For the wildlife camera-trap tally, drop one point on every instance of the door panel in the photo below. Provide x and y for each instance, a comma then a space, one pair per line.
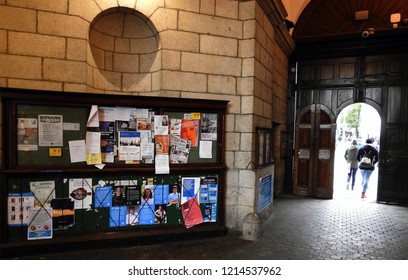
314, 153
393, 175
325, 154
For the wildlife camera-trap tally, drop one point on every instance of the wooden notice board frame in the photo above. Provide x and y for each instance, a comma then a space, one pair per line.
39, 131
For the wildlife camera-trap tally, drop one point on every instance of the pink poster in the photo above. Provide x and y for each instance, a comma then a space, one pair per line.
192, 213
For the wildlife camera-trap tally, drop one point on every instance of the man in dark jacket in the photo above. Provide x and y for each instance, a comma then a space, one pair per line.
366, 152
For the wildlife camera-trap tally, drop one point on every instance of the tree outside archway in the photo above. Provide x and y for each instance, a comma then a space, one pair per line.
349, 123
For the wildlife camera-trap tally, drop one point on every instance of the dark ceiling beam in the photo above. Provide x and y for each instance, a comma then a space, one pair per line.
352, 44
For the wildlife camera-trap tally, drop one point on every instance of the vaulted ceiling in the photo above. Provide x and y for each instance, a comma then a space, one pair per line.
322, 18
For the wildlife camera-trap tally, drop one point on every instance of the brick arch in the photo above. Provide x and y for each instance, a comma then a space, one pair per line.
89, 9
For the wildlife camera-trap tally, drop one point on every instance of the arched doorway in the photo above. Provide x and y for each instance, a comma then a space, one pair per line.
335, 66
355, 122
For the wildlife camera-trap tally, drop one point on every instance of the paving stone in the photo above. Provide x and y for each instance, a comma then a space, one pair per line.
298, 229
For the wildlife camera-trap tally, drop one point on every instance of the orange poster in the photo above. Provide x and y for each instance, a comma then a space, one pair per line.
161, 144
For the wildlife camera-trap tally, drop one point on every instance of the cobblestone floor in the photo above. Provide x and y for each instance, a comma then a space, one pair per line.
299, 228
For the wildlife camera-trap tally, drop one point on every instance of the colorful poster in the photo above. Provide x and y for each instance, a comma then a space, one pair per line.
189, 131
175, 127
108, 150
118, 197
174, 196
191, 213
208, 189
107, 130
129, 146
160, 214
27, 134
190, 188
161, 125
147, 195
210, 212
40, 226
19, 205
132, 216
161, 194
180, 150
63, 213
144, 124
80, 191
161, 144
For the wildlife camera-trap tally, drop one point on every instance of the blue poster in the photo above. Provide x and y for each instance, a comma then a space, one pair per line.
103, 196
161, 194
146, 214
188, 188
208, 190
212, 193
204, 194
265, 192
117, 216
210, 212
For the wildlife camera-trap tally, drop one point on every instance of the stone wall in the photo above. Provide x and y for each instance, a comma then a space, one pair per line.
203, 49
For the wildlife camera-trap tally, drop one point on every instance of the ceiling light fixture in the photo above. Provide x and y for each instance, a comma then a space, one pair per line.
395, 19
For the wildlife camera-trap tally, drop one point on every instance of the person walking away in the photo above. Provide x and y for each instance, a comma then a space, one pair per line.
367, 155
351, 158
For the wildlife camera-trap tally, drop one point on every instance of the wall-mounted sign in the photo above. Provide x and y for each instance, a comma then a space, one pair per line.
264, 192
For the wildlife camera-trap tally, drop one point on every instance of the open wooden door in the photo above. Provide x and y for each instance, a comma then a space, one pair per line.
314, 152
393, 166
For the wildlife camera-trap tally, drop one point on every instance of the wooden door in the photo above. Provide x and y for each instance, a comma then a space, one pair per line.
314, 152
386, 84
393, 165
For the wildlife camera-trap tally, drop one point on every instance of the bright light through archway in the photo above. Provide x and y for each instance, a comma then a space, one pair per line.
369, 126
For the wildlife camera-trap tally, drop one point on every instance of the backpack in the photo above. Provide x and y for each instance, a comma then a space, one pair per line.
365, 162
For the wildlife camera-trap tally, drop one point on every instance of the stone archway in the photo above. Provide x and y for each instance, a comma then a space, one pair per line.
357, 121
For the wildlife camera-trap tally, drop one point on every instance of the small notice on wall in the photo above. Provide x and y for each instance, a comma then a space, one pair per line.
55, 152
50, 129
27, 134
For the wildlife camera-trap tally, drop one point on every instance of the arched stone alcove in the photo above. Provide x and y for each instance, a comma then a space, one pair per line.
124, 52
